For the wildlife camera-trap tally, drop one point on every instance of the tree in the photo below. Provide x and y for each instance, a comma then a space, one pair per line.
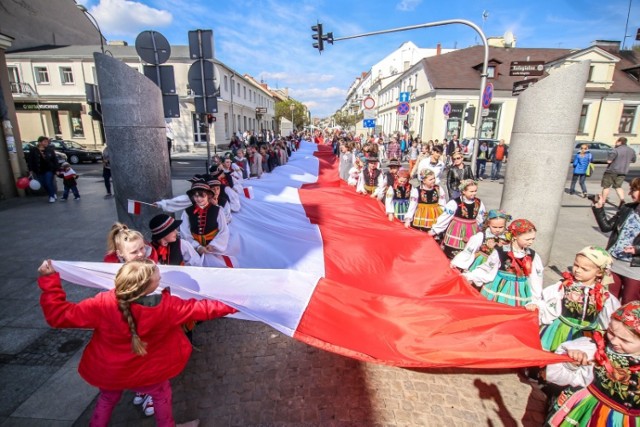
347, 120
283, 109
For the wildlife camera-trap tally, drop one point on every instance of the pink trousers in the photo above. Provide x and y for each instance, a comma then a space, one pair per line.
161, 394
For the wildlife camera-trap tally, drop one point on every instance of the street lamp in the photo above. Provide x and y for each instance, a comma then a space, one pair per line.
94, 22
292, 107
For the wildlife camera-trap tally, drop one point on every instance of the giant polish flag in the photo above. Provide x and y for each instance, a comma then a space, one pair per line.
323, 265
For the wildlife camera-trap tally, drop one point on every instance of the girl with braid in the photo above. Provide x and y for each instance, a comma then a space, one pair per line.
138, 342
124, 244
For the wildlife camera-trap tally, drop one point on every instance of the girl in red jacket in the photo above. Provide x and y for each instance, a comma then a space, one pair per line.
133, 331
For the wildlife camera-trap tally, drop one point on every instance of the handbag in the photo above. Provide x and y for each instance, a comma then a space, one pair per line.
590, 169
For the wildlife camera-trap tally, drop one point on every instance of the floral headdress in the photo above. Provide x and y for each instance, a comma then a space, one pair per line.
629, 315
521, 226
466, 183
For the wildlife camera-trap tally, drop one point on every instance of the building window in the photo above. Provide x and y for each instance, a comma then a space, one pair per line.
591, 70
66, 75
583, 118
628, 118
199, 129
238, 89
491, 72
42, 75
226, 84
14, 74
226, 124
244, 89
55, 119
77, 131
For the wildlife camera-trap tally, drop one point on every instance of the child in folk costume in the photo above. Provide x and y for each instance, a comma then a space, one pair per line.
482, 244
171, 249
372, 180
460, 219
426, 203
603, 382
138, 342
242, 162
233, 174
220, 183
346, 160
512, 274
579, 304
397, 198
355, 172
204, 227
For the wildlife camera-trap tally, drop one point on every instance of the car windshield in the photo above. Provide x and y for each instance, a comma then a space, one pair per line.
72, 144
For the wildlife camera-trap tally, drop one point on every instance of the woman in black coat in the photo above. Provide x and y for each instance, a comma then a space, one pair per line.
456, 173
623, 244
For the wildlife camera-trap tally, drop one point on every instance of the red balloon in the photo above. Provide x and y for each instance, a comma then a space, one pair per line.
22, 183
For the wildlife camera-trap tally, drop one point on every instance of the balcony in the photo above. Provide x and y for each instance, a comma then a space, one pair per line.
18, 88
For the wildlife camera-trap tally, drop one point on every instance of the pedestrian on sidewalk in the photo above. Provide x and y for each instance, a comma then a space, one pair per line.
138, 342
581, 163
106, 170
69, 177
623, 244
42, 163
498, 155
617, 169
456, 173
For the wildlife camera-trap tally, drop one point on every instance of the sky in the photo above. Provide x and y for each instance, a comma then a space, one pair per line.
271, 39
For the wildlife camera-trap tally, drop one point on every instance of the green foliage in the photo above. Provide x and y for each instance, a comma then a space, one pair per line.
347, 120
283, 109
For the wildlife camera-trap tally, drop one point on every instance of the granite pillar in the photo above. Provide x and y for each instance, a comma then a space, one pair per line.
541, 146
135, 133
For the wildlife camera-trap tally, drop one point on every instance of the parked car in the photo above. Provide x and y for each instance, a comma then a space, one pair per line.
467, 145
76, 152
599, 150
28, 146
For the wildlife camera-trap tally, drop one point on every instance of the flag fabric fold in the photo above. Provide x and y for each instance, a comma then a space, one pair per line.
322, 264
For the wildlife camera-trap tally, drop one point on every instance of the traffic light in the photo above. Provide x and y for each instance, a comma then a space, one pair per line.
318, 36
470, 114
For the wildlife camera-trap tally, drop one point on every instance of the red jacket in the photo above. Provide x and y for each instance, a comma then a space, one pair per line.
108, 360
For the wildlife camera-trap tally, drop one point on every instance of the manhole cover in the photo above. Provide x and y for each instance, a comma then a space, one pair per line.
71, 345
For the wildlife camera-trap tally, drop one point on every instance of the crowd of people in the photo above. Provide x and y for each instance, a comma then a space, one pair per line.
581, 315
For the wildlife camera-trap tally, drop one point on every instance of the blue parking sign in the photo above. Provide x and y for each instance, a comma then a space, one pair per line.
369, 123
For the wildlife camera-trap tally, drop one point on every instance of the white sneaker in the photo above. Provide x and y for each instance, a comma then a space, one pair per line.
147, 406
52, 200
139, 398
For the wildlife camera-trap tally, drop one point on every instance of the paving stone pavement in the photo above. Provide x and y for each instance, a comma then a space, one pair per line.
244, 373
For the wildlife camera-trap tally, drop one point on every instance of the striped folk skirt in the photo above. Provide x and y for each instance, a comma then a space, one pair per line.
426, 215
579, 407
458, 234
564, 329
400, 208
508, 289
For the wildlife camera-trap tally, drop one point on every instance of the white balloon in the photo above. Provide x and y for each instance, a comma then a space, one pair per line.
34, 184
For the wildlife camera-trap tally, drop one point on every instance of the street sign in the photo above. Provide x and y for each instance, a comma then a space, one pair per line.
487, 95
519, 87
526, 68
369, 123
404, 97
485, 112
446, 110
261, 110
368, 103
369, 114
403, 108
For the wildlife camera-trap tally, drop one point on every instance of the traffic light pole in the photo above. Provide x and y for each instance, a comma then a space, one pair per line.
483, 80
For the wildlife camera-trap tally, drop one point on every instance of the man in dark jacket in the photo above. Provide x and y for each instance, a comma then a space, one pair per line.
43, 164
617, 169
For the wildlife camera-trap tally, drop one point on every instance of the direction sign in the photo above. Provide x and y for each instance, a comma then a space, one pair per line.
446, 109
520, 86
368, 103
403, 108
404, 97
369, 123
526, 68
487, 95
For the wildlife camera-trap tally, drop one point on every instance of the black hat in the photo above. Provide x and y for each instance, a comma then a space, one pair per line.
372, 159
161, 225
199, 185
395, 163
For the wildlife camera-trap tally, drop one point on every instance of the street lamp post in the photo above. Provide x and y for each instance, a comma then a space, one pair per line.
292, 108
483, 75
94, 22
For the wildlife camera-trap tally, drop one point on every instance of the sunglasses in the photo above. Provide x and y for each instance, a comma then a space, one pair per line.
457, 158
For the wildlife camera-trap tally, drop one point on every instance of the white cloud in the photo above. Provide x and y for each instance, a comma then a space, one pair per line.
408, 5
319, 93
128, 18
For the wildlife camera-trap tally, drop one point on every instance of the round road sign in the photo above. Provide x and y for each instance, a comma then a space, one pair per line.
403, 108
368, 103
446, 109
487, 95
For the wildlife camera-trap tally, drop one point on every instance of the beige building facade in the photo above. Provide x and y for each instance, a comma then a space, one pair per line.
48, 88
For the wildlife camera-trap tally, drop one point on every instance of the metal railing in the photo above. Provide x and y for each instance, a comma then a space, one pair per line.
21, 88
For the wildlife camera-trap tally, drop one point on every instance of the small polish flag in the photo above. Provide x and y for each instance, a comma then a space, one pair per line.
134, 207
248, 192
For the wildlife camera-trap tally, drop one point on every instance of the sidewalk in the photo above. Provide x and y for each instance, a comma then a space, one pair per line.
244, 373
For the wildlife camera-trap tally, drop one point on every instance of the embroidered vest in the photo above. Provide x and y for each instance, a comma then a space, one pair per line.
369, 179
467, 210
506, 264
402, 192
429, 196
204, 224
173, 254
